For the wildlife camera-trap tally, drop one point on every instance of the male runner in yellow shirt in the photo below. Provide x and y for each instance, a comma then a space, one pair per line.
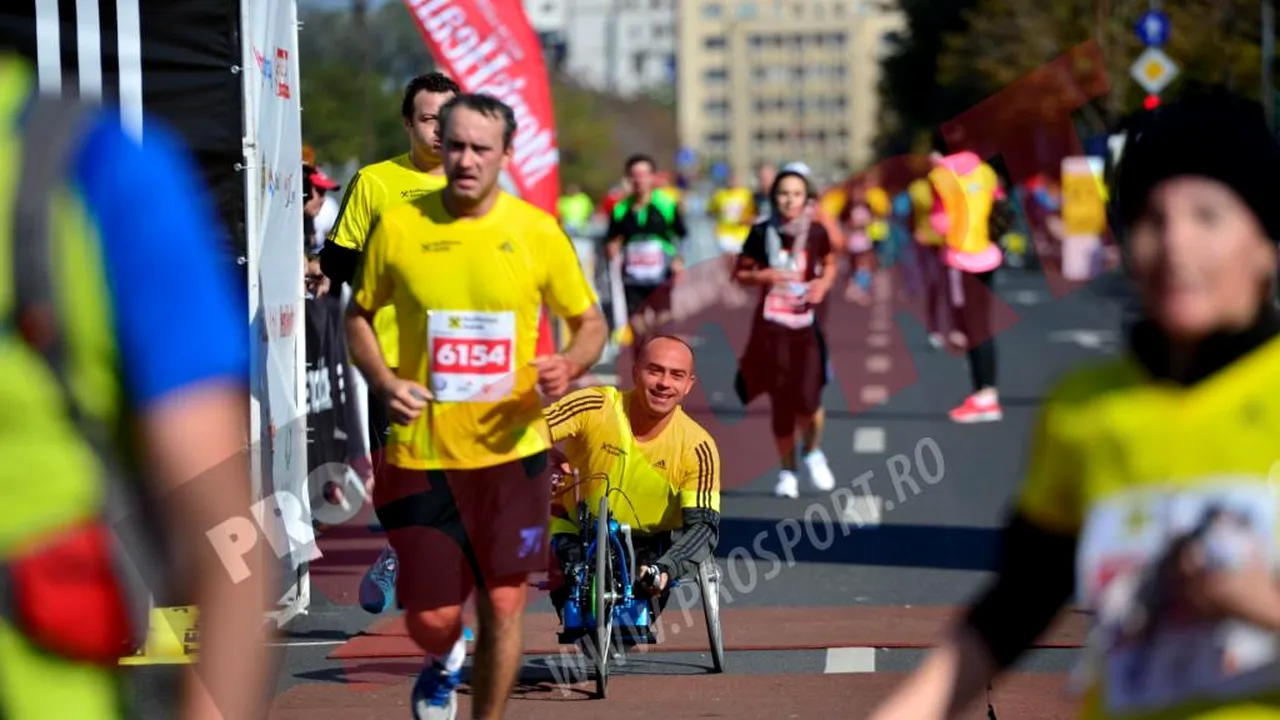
379, 186
375, 188
464, 489
662, 467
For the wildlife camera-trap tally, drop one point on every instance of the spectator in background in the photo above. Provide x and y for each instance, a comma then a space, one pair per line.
327, 215
315, 186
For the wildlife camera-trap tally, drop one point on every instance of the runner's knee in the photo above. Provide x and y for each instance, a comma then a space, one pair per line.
435, 630
505, 598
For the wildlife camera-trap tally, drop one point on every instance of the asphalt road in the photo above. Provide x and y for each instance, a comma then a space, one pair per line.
826, 628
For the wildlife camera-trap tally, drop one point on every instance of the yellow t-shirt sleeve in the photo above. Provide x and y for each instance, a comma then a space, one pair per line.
700, 486
565, 288
1051, 494
355, 215
568, 417
374, 284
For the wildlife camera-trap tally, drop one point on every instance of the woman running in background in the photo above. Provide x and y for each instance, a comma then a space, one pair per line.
968, 188
791, 258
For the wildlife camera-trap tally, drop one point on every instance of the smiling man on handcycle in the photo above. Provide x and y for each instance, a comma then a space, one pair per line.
662, 469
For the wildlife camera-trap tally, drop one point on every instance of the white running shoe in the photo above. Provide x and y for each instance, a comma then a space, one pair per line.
819, 472
788, 485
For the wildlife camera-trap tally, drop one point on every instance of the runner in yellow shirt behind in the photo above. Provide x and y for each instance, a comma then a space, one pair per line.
464, 492
733, 209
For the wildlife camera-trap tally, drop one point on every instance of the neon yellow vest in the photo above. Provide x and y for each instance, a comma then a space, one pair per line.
48, 473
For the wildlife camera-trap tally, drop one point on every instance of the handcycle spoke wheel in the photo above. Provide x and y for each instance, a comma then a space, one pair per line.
709, 585
603, 597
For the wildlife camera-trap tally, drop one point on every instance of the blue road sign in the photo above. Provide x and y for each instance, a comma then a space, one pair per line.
1153, 28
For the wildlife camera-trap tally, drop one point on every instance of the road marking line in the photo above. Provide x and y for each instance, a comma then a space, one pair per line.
307, 643
863, 510
879, 363
874, 394
850, 660
879, 326
878, 340
868, 440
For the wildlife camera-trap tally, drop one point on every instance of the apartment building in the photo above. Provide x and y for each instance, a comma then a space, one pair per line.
620, 46
782, 80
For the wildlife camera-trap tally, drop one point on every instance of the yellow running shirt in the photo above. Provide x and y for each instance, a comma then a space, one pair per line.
1125, 463
967, 196
921, 207
655, 480
734, 213
374, 189
468, 293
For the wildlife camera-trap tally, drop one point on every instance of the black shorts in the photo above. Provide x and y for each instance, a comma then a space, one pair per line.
640, 297
456, 530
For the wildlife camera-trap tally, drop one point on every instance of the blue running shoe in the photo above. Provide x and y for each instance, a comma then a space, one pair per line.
434, 694
378, 588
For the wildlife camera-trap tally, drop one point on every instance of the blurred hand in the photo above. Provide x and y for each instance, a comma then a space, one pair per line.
816, 292
677, 270
653, 587
555, 372
611, 249
1247, 593
405, 400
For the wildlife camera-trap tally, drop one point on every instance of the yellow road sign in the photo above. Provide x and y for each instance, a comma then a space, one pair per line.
1153, 70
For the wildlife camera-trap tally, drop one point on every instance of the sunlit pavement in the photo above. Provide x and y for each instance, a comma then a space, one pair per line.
828, 597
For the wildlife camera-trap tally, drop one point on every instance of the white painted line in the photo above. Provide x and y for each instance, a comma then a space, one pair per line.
878, 340
874, 394
864, 510
868, 440
1026, 297
850, 660
307, 643
879, 363
879, 326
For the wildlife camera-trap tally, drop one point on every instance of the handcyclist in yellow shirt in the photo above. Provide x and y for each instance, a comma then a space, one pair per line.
661, 467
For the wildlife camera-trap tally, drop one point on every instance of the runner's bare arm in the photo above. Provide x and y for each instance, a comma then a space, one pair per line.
589, 331
195, 443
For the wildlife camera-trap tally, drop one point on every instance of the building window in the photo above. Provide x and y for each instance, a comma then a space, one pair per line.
837, 8
755, 42
716, 76
747, 11
638, 61
711, 10
762, 136
713, 42
798, 73
717, 108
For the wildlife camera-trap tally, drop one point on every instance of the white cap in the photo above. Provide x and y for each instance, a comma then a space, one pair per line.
797, 167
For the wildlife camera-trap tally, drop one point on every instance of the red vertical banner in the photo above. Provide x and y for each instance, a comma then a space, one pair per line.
488, 46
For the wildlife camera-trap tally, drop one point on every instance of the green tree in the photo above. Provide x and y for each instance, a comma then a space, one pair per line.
912, 101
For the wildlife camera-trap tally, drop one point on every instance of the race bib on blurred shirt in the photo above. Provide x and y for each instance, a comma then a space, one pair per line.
472, 355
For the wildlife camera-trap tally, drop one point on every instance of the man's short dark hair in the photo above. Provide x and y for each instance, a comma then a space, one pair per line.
433, 82
486, 105
637, 159
667, 336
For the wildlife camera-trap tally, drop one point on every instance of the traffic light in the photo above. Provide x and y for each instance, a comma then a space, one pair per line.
1151, 102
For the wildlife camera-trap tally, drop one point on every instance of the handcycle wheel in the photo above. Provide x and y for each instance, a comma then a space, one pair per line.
709, 586
603, 597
